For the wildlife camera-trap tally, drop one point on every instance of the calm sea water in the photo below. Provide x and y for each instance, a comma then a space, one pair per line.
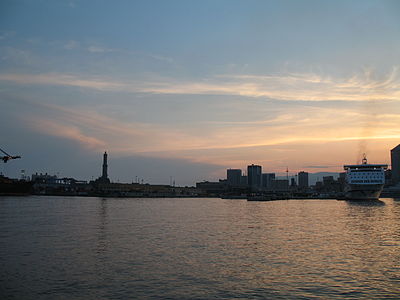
93, 248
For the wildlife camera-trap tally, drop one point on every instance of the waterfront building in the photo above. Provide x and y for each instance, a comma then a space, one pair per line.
395, 161
254, 177
342, 180
243, 181
328, 180
280, 185
267, 179
213, 188
233, 177
44, 184
43, 177
303, 180
328, 185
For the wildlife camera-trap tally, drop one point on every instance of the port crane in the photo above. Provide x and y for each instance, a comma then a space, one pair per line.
7, 156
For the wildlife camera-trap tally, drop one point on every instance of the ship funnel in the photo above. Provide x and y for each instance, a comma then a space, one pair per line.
364, 160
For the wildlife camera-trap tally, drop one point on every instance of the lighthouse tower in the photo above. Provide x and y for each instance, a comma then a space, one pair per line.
104, 175
105, 166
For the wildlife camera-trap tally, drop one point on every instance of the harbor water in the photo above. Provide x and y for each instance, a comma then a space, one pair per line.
108, 248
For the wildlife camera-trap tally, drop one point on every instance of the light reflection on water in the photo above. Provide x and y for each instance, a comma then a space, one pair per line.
93, 248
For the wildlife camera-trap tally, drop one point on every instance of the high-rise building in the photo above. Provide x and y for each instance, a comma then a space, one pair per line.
233, 177
303, 180
395, 160
267, 179
254, 177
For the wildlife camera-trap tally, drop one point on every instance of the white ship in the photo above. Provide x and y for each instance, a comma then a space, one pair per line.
364, 181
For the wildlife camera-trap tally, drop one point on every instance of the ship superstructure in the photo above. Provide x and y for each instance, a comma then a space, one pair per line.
364, 181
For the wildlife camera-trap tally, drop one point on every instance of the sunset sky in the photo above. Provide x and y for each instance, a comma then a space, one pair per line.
190, 88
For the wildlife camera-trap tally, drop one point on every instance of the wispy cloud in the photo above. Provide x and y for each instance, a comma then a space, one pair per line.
71, 44
98, 49
288, 128
292, 133
161, 58
73, 133
64, 80
92, 129
5, 34
16, 55
317, 167
228, 141
306, 87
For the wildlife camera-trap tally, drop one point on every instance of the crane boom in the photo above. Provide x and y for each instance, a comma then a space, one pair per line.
7, 156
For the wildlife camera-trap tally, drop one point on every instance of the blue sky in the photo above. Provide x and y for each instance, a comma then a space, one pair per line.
190, 88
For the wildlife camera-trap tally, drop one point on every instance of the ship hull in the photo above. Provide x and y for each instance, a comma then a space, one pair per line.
363, 192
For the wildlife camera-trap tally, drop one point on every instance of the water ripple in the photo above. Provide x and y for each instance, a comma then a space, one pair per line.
93, 248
